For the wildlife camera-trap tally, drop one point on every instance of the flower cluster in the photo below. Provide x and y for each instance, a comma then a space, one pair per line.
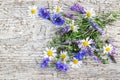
55, 18
80, 38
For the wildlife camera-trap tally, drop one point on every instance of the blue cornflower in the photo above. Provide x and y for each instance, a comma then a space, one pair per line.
58, 20
62, 67
78, 8
80, 55
44, 13
45, 62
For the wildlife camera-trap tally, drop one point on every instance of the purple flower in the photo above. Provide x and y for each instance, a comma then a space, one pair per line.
114, 51
62, 67
78, 8
96, 27
58, 20
90, 51
80, 55
45, 62
68, 15
96, 59
64, 30
44, 13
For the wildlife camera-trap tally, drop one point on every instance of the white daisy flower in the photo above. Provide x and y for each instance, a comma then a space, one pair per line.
64, 55
90, 13
86, 42
50, 53
108, 48
75, 63
57, 9
74, 27
32, 12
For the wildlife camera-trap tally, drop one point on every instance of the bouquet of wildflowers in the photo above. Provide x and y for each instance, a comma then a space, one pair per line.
81, 35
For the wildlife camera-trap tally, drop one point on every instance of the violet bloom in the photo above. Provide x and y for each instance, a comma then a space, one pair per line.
62, 67
96, 27
68, 15
96, 59
78, 8
64, 30
90, 52
44, 13
45, 62
114, 51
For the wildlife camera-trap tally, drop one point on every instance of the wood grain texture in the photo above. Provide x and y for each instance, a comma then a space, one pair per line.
22, 41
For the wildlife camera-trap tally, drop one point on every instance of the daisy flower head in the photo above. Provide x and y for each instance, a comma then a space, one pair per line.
108, 48
85, 43
75, 63
50, 53
32, 12
73, 27
57, 9
64, 55
90, 13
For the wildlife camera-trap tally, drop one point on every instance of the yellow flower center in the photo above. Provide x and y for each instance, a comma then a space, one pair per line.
89, 14
86, 43
108, 49
63, 56
58, 9
72, 27
75, 61
33, 11
49, 53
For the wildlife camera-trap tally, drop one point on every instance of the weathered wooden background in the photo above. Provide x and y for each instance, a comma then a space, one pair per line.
22, 41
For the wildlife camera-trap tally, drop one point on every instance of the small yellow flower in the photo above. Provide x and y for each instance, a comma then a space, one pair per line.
75, 63
87, 42
108, 48
50, 53
57, 9
32, 12
90, 13
73, 27
64, 55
